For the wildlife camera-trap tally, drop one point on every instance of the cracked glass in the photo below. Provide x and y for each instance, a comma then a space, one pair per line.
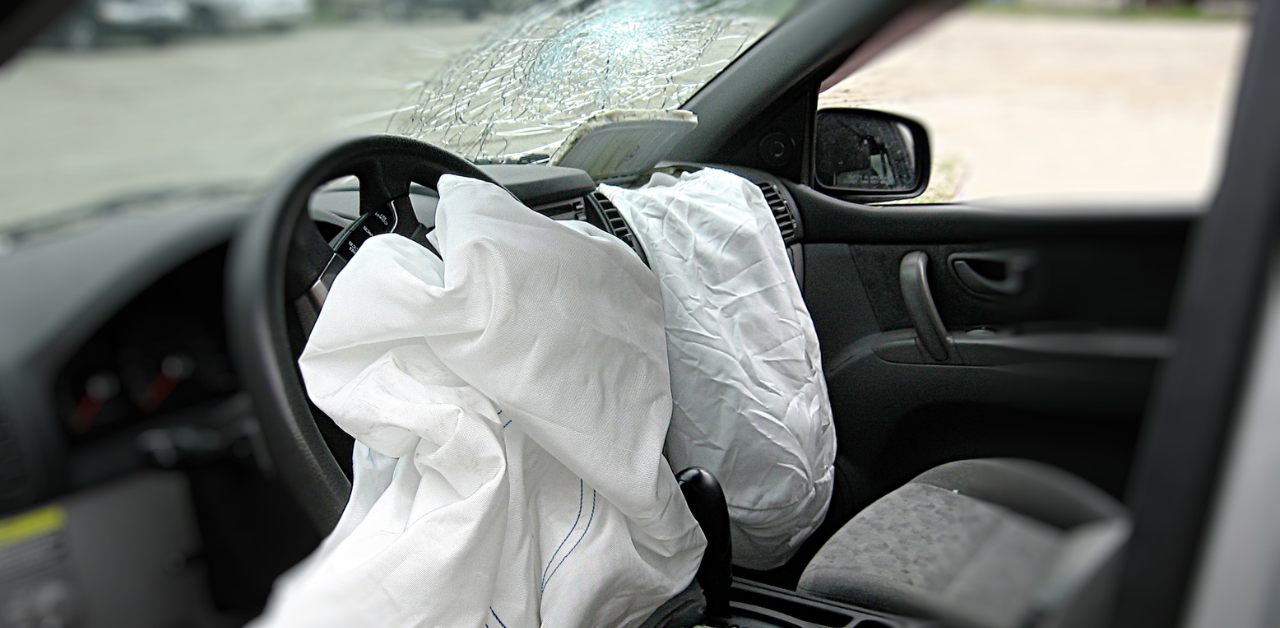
519, 91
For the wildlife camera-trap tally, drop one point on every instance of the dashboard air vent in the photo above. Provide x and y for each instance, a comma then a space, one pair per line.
781, 211
572, 209
613, 218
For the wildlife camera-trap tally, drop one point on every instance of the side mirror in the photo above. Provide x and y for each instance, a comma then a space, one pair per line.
869, 156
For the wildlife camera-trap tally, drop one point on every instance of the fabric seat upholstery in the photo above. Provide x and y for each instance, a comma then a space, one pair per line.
992, 543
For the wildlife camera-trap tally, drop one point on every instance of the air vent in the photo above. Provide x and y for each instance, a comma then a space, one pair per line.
781, 211
610, 219
572, 209
613, 218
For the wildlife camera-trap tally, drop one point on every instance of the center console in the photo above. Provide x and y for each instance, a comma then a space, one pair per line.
735, 602
754, 605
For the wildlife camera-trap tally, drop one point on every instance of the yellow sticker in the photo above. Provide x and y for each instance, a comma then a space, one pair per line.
38, 522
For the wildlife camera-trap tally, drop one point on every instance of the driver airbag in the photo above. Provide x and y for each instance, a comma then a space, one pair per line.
509, 405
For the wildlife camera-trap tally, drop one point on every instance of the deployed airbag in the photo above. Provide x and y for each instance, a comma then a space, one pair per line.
509, 404
746, 376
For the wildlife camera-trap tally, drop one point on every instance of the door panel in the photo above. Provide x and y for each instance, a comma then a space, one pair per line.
1118, 283
1053, 364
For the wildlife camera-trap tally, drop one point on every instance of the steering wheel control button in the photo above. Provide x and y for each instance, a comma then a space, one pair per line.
377, 222
384, 219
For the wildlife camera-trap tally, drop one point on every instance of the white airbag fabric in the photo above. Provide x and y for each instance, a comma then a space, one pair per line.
510, 405
746, 375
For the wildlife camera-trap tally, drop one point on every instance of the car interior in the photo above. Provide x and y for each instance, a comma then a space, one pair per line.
991, 370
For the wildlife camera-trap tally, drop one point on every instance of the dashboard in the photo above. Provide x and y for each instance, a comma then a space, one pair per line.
114, 325
129, 455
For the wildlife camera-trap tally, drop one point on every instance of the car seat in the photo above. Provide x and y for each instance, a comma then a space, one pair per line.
990, 543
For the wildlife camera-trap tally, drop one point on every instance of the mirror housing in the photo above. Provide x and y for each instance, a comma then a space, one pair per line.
869, 156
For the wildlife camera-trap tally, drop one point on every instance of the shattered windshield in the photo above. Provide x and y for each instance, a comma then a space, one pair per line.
104, 113
517, 93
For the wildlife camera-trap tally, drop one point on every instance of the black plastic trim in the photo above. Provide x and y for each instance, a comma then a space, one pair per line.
706, 501
781, 607
827, 219
930, 333
1180, 453
541, 185
818, 33
23, 21
880, 380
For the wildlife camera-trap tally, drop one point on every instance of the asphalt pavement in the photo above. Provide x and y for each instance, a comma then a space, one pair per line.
79, 127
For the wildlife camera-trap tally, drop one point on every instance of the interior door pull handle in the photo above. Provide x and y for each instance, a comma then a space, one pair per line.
1000, 273
913, 275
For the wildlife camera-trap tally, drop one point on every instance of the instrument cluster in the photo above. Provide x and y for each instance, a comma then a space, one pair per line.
164, 351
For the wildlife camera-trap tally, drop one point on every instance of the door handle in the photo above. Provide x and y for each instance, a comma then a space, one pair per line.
914, 279
992, 273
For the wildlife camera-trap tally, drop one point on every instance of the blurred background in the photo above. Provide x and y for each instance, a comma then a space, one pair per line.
1122, 97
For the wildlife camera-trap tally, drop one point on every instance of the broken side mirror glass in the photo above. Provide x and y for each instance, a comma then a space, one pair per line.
870, 156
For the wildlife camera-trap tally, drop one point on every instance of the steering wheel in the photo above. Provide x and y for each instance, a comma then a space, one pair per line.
279, 271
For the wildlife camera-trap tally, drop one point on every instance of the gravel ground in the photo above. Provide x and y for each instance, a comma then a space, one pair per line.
1016, 104
1062, 106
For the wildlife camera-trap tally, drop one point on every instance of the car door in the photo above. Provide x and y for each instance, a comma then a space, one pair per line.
1054, 315
1055, 297
1054, 365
